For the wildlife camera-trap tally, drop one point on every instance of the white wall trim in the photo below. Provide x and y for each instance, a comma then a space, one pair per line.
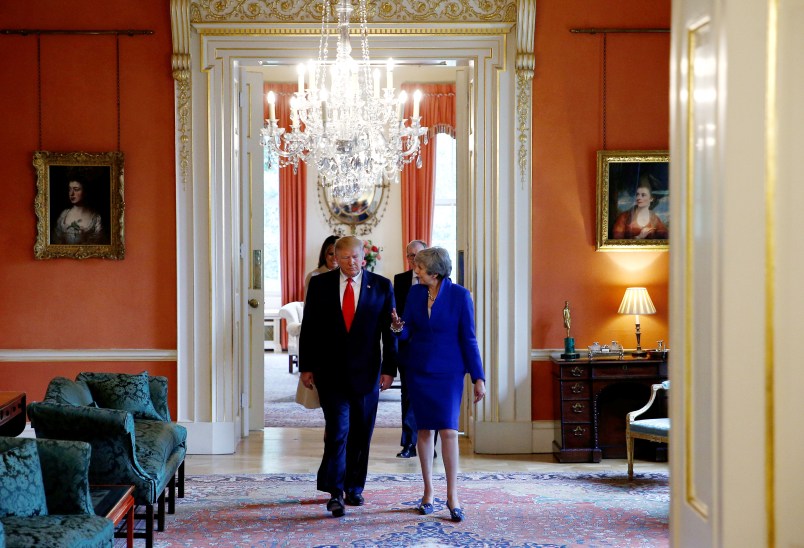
542, 354
543, 435
211, 438
513, 438
503, 438
88, 355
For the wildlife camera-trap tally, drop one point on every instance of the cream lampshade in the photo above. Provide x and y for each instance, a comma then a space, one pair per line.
636, 301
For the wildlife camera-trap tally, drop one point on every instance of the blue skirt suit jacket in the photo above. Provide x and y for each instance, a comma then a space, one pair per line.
442, 349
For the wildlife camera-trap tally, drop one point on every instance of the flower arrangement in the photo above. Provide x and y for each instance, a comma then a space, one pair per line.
371, 254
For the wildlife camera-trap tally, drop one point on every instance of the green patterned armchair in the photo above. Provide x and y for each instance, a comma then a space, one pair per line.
126, 420
44, 496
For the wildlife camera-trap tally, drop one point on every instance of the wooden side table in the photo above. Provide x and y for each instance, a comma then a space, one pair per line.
12, 413
271, 326
115, 502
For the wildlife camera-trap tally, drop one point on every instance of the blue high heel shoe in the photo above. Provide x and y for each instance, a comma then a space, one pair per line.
456, 514
425, 508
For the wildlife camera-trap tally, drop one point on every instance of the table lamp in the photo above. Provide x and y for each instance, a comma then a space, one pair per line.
636, 301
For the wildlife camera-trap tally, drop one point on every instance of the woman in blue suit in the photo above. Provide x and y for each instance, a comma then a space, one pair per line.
439, 325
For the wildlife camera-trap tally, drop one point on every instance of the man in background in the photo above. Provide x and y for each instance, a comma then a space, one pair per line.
347, 315
402, 284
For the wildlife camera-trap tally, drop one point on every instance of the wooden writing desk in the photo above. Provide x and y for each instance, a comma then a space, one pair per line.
592, 398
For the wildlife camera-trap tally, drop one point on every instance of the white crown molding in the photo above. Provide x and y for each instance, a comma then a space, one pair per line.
88, 355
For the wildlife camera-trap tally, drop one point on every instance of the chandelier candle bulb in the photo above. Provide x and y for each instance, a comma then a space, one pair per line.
417, 96
311, 75
403, 97
293, 112
376, 83
301, 70
270, 97
389, 74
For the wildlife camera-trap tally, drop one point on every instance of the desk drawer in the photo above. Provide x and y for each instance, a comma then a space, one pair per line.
577, 436
576, 411
574, 390
628, 369
574, 371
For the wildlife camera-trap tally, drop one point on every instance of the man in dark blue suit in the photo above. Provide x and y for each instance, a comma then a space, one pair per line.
402, 284
347, 315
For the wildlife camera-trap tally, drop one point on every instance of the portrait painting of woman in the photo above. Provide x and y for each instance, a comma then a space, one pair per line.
640, 222
79, 205
80, 223
633, 199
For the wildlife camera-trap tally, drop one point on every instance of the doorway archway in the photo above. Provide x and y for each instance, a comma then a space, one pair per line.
212, 44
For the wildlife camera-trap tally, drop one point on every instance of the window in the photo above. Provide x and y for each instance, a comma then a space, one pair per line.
270, 257
445, 232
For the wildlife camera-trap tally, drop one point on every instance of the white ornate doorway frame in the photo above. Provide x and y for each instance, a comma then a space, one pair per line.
210, 41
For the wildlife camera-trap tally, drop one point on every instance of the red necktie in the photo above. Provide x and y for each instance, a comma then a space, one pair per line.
348, 304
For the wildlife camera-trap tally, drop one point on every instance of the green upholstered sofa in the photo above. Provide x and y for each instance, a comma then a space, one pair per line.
126, 420
44, 496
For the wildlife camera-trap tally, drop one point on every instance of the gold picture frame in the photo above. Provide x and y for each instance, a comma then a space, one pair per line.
633, 200
79, 205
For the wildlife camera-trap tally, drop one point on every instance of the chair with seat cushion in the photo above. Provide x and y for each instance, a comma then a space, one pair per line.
44, 496
292, 313
125, 419
657, 430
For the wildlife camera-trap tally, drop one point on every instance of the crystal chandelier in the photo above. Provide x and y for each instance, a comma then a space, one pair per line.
344, 123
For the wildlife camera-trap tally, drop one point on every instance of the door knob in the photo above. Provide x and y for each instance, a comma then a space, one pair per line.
253, 303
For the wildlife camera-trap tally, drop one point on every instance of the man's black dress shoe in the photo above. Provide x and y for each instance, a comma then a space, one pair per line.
407, 452
335, 505
355, 499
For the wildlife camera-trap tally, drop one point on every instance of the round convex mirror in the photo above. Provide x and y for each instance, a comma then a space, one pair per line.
355, 210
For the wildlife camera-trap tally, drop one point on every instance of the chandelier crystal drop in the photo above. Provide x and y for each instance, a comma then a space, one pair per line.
343, 122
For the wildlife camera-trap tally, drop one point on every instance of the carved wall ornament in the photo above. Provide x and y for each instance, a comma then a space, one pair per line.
379, 11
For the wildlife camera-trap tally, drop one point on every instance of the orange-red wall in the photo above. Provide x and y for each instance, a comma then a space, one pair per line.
567, 133
70, 304
92, 303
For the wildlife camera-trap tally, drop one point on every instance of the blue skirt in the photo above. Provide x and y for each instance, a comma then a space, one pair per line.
435, 399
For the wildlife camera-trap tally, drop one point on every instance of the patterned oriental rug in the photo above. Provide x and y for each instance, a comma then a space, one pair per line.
510, 510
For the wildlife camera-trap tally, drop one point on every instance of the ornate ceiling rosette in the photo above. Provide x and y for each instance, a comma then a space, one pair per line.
379, 11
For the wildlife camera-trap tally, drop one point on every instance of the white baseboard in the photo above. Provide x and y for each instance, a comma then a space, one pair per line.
514, 438
543, 436
210, 438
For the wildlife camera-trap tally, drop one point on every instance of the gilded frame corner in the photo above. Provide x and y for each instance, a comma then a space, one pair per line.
84, 224
619, 174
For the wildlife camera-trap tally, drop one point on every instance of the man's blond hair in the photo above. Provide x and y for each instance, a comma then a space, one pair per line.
348, 242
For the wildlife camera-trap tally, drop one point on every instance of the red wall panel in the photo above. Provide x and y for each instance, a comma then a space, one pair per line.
91, 303
567, 133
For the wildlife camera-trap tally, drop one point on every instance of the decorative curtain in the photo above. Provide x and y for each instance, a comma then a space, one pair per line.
292, 207
437, 109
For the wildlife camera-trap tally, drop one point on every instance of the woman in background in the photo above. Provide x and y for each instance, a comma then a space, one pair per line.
326, 261
640, 222
439, 325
